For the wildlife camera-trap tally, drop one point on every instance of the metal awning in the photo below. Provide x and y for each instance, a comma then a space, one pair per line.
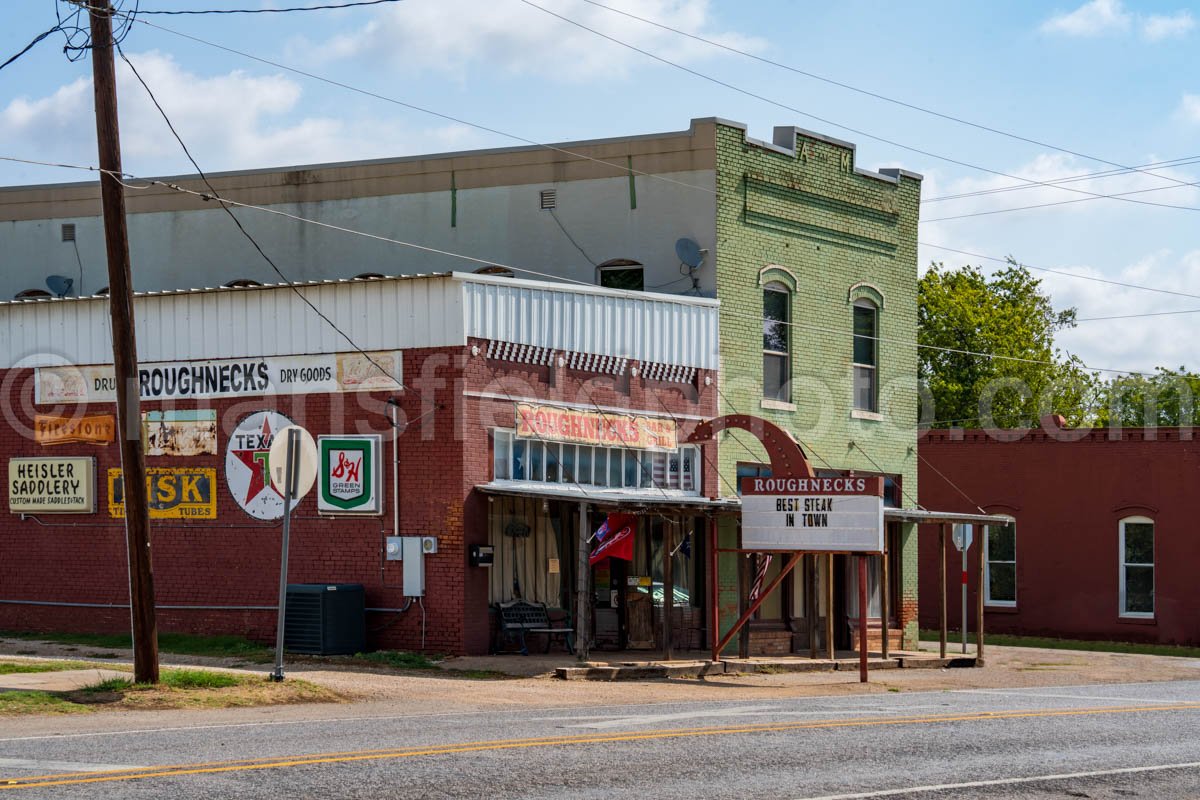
606, 497
921, 515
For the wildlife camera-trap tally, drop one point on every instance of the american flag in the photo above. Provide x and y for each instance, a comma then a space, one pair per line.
760, 577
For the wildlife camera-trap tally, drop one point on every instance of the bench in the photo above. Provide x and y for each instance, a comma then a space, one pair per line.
521, 617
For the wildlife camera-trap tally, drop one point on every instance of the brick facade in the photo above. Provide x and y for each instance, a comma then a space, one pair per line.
457, 395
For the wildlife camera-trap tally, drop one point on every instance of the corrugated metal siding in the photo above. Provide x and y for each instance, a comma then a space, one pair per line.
376, 315
389, 314
631, 327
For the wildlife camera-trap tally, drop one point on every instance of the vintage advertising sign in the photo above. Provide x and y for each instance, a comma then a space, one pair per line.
348, 471
558, 424
247, 464
49, 429
172, 493
191, 432
841, 515
52, 485
234, 377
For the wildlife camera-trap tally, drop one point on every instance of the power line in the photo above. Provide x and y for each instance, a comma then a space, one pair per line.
1064, 273
559, 278
37, 39
1117, 195
876, 95
856, 131
1085, 176
182, 12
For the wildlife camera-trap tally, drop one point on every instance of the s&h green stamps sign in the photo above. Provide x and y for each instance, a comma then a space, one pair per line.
348, 473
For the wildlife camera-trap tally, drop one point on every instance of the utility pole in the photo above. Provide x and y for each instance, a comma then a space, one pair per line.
125, 367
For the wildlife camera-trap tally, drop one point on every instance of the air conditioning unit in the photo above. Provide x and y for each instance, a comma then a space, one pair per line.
325, 619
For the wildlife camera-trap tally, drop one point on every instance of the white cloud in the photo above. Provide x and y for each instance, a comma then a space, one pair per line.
1189, 108
451, 36
229, 121
1158, 27
1090, 19
1102, 17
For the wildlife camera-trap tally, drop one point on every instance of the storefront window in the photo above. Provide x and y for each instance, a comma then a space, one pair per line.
606, 467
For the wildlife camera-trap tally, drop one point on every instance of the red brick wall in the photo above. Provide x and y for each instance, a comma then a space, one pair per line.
1067, 498
234, 560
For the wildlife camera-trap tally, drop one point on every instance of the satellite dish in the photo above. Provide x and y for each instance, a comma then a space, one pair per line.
689, 252
59, 285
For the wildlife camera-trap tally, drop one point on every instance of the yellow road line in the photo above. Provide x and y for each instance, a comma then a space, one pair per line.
246, 765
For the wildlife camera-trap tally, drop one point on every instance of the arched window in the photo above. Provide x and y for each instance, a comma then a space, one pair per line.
866, 356
1137, 567
777, 340
621, 273
1000, 565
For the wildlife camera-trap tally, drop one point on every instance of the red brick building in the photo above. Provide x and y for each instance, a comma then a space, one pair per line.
457, 353
1103, 543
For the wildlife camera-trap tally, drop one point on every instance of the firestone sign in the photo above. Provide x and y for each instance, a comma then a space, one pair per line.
841, 515
348, 471
558, 424
247, 465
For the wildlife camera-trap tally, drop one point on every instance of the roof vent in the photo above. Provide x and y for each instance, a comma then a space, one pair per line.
68, 232
549, 198
241, 283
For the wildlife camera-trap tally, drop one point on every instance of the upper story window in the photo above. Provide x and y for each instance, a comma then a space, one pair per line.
777, 378
521, 459
622, 274
1137, 567
866, 356
1000, 565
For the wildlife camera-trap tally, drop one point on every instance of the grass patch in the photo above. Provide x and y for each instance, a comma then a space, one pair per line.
199, 679
400, 659
178, 643
1134, 648
22, 667
18, 703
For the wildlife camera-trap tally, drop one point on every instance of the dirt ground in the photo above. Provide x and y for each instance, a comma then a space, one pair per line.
457, 687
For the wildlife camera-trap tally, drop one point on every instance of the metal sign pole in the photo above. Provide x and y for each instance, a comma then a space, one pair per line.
964, 596
292, 473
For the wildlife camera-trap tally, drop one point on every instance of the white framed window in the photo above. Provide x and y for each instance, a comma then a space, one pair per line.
514, 458
777, 378
1000, 565
866, 356
1137, 567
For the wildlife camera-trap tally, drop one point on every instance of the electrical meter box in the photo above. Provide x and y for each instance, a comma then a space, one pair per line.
413, 551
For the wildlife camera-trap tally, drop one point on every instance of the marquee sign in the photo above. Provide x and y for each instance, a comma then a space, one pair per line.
247, 464
93, 429
348, 472
843, 515
608, 429
171, 493
52, 485
233, 377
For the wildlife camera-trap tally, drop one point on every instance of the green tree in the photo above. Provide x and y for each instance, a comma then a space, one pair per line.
1167, 398
963, 312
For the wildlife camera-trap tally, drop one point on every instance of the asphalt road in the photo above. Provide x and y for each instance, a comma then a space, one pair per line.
1108, 741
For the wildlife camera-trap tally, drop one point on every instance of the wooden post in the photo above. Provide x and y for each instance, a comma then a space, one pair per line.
810, 602
883, 602
583, 623
862, 618
942, 586
829, 644
979, 599
714, 592
124, 344
743, 602
668, 587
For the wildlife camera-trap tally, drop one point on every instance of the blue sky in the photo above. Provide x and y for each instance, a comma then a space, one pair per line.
1110, 79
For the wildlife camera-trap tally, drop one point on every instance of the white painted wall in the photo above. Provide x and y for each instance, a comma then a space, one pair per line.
505, 225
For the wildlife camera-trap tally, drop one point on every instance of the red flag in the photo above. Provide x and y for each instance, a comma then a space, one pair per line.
619, 541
